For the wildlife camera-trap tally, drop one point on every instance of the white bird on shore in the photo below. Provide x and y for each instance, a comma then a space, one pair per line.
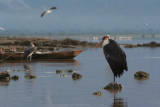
47, 11
1, 28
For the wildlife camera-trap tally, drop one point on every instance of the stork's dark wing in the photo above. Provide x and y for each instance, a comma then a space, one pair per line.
43, 13
28, 51
52, 8
115, 57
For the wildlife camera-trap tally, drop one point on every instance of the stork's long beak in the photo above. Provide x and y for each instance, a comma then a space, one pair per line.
99, 44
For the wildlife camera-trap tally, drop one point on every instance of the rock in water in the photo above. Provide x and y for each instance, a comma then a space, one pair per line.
76, 76
141, 74
15, 77
4, 75
98, 93
113, 86
64, 71
30, 76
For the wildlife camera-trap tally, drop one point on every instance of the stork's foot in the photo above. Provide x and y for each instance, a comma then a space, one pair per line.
113, 83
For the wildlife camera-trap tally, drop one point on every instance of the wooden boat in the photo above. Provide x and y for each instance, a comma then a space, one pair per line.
40, 55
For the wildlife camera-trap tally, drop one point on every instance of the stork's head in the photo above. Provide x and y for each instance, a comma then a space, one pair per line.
104, 41
106, 37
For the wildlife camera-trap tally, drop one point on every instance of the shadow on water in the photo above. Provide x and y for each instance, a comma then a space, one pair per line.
13, 63
141, 80
4, 82
29, 69
42, 61
119, 102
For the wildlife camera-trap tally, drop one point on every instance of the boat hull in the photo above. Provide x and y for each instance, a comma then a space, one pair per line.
40, 55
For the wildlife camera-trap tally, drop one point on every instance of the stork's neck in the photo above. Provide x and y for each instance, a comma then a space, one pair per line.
32, 45
105, 42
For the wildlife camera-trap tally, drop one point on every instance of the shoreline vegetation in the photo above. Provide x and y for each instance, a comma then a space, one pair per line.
48, 44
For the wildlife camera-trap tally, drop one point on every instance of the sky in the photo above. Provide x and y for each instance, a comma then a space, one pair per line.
79, 15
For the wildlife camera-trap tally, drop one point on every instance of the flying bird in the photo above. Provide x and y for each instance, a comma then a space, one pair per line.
29, 51
1, 28
47, 11
114, 55
146, 24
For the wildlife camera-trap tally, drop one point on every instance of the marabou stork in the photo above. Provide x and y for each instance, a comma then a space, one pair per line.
47, 11
115, 56
29, 51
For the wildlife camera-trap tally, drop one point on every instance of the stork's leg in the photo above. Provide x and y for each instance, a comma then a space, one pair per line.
114, 80
30, 57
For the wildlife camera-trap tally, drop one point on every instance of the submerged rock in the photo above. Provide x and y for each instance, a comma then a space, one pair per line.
141, 74
15, 77
76, 76
130, 46
64, 71
98, 93
30, 76
113, 86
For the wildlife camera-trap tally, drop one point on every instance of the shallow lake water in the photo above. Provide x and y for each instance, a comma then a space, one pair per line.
50, 89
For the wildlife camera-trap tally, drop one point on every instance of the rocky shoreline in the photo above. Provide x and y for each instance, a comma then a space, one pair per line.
152, 44
42, 44
47, 44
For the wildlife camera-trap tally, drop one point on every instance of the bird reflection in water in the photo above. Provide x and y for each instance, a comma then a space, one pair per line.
118, 101
29, 69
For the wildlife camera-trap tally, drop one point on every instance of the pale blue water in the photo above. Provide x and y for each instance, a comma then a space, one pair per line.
51, 90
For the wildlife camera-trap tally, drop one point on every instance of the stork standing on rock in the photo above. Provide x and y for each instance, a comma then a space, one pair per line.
115, 56
29, 51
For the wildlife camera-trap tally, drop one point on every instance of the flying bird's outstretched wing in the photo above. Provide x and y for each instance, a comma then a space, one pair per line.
43, 13
52, 8
115, 57
48, 11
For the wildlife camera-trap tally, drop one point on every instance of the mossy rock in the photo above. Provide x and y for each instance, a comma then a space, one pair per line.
4, 75
30, 77
76, 76
59, 71
69, 71
141, 74
113, 86
98, 93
